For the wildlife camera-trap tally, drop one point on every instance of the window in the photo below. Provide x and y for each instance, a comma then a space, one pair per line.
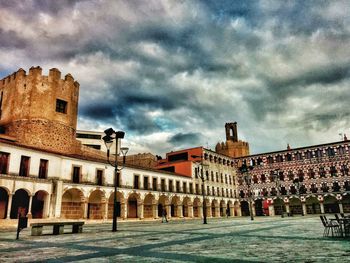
260, 161
89, 136
177, 186
4, 162
145, 183
341, 150
290, 176
313, 188
298, 156
196, 172
263, 178
207, 175
336, 187
43, 168
311, 173
308, 155
162, 185
325, 187
99, 177
217, 177
333, 171
212, 190
171, 188
270, 159
93, 146
61, 106
289, 157
208, 190
76, 174
154, 184
24, 166
322, 172
191, 188
330, 152
318, 153
279, 158
184, 187
344, 170
212, 176
136, 182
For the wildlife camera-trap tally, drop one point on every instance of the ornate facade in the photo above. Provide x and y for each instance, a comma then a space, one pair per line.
307, 180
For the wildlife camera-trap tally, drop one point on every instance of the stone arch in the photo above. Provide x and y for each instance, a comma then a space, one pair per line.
96, 205
72, 204
245, 208
186, 207
119, 207
163, 203
4, 198
133, 200
331, 204
174, 206
295, 206
312, 205
279, 206
260, 207
148, 206
196, 207
40, 204
20, 203
222, 208
215, 208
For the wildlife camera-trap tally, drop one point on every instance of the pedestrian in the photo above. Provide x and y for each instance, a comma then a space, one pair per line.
164, 214
227, 212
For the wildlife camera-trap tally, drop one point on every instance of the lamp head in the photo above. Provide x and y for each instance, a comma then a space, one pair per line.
109, 132
119, 134
108, 141
124, 150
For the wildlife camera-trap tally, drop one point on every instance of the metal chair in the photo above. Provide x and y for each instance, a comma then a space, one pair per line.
329, 225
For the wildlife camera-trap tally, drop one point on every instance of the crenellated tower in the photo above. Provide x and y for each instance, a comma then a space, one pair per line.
40, 111
232, 147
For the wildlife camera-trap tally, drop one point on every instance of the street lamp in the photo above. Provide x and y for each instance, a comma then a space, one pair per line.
244, 169
298, 183
201, 176
278, 184
112, 135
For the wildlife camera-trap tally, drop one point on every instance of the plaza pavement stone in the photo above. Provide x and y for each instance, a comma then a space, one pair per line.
266, 239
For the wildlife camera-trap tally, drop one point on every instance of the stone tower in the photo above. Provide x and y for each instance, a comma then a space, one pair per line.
232, 147
40, 111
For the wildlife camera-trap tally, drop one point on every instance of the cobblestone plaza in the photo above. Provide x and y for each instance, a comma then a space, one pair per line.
266, 239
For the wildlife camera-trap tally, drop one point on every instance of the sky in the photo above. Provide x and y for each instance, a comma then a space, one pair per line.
172, 73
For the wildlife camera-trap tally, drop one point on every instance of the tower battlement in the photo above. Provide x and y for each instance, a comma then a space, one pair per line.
40, 110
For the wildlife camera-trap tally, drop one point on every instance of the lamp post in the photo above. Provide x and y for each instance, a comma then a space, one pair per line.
112, 135
201, 176
278, 184
244, 169
297, 182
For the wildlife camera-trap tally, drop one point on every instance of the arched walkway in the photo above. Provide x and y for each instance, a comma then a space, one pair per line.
132, 206
148, 206
175, 203
259, 209
295, 206
196, 207
214, 208
96, 207
72, 204
20, 203
40, 204
119, 208
278, 206
222, 208
312, 205
163, 202
331, 204
245, 208
4, 198
185, 207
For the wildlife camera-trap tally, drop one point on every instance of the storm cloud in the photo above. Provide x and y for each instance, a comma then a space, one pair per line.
172, 73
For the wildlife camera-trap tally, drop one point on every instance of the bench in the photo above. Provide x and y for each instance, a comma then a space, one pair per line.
58, 227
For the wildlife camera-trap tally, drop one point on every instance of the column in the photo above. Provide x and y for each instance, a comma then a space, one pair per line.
155, 210
179, 211
341, 210
287, 209
232, 211
105, 217
29, 215
9, 206
140, 210
85, 207
304, 208
168, 210
190, 211
239, 210
200, 211
124, 210
217, 211
46, 209
271, 210
322, 207
253, 208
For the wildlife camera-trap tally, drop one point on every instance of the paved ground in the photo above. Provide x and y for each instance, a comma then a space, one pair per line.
267, 239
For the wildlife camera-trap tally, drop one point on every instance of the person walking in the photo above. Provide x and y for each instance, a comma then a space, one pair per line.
164, 214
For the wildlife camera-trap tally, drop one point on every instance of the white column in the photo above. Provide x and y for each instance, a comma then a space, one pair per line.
9, 206
190, 211
271, 210
105, 217
29, 215
124, 210
85, 207
341, 210
322, 207
155, 210
168, 210
232, 211
47, 205
179, 211
287, 209
304, 208
140, 210
200, 211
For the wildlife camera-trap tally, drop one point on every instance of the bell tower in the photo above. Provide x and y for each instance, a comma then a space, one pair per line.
232, 147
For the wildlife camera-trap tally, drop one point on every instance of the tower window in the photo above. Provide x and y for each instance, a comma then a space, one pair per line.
61, 106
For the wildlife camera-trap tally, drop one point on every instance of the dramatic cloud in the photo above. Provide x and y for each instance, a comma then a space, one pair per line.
172, 73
